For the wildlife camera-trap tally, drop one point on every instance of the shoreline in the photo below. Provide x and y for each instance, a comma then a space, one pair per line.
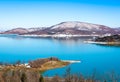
72, 61
104, 43
58, 35
65, 61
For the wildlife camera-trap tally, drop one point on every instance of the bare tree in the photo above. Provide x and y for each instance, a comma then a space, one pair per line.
68, 75
55, 79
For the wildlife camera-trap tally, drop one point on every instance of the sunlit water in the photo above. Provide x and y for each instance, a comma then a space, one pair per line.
103, 59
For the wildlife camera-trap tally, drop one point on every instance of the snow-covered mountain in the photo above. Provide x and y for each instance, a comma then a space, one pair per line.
75, 27
79, 26
67, 28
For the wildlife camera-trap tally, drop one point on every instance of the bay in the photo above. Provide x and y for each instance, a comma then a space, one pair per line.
103, 59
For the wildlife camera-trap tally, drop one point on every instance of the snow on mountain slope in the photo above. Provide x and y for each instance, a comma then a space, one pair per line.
80, 26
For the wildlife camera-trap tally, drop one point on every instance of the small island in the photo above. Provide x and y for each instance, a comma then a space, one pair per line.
107, 40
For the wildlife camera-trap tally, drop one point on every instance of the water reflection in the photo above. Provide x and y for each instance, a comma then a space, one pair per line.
65, 40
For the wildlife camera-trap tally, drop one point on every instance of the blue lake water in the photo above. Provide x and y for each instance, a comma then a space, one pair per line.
103, 59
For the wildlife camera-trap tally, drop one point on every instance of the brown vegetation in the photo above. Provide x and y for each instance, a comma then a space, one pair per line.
48, 63
39, 62
19, 75
29, 75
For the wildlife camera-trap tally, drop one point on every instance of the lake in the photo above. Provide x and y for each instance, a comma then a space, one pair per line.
102, 59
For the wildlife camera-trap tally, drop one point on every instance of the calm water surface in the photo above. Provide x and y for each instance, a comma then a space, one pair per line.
103, 59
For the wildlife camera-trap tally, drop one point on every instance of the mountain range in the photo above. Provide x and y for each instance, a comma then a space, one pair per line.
67, 28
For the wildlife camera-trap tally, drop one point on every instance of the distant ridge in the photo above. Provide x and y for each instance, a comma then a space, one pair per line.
67, 28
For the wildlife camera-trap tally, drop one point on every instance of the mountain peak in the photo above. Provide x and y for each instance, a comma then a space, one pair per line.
79, 26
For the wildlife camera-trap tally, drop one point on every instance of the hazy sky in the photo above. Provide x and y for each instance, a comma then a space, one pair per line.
40, 13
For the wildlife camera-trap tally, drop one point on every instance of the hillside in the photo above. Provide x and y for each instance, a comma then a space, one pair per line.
16, 31
21, 30
117, 30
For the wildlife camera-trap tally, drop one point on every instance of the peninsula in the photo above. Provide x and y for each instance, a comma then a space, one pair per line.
39, 64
